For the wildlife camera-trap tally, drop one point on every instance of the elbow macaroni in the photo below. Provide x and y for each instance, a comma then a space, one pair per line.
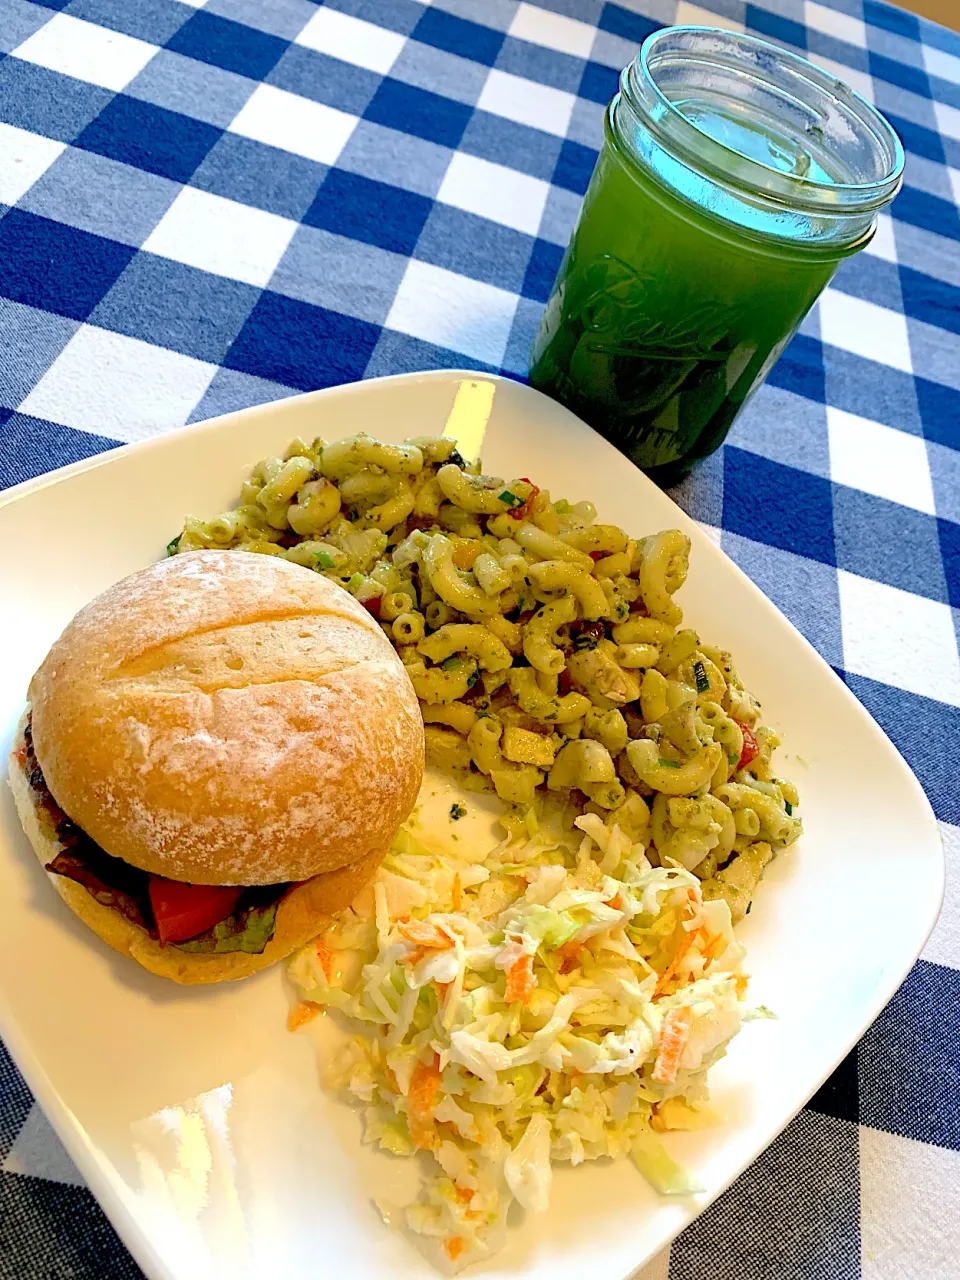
471, 638
408, 628
670, 776
540, 646
559, 575
480, 495
539, 704
435, 684
451, 585
660, 573
356, 453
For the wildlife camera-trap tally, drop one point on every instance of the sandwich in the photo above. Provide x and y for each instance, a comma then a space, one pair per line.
215, 756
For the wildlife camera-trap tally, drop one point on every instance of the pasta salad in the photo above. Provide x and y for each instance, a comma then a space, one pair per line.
547, 648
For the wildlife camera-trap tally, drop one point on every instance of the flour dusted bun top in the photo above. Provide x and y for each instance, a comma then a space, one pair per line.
229, 718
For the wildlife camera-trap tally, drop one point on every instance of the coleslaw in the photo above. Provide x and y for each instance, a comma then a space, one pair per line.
557, 998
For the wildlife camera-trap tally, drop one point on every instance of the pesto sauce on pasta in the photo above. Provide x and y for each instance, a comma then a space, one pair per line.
547, 649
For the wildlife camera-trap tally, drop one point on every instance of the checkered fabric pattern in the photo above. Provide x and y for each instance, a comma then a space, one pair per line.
206, 206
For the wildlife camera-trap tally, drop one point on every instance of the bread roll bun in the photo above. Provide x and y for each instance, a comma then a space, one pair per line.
228, 718
304, 913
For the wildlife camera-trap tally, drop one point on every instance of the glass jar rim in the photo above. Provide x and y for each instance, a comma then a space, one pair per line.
714, 159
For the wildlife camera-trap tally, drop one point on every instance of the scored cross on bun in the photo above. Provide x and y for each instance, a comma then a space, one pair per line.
218, 719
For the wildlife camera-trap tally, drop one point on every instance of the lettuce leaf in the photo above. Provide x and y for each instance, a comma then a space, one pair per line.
248, 931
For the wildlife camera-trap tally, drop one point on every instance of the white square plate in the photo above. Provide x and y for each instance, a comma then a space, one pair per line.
197, 1120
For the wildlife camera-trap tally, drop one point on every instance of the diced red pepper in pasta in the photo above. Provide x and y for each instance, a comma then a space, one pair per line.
751, 748
521, 512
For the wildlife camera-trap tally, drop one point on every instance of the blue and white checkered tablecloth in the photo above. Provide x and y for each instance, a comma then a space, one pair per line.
206, 206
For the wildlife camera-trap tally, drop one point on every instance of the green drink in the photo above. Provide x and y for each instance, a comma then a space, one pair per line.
661, 324
710, 227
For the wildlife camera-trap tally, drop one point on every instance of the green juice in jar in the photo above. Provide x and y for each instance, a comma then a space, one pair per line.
690, 267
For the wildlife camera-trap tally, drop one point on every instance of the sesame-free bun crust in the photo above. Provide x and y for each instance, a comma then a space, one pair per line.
224, 717
304, 913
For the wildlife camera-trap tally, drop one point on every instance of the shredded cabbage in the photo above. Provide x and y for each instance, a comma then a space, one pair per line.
558, 1000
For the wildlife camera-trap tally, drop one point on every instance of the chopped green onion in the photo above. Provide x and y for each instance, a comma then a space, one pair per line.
670, 764
733, 759
511, 499
453, 663
789, 808
457, 811
561, 507
355, 582
173, 544
585, 641
473, 679
325, 560
703, 684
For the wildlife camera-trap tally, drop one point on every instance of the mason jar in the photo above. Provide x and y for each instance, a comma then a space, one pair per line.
733, 180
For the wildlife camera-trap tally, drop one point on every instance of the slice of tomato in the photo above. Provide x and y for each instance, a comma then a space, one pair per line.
184, 910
